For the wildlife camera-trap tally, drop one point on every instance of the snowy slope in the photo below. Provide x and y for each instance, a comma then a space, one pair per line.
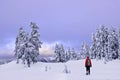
55, 71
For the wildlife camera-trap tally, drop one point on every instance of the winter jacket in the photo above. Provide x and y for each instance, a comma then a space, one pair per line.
86, 62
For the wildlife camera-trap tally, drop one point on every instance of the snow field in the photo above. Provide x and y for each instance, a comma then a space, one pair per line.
56, 71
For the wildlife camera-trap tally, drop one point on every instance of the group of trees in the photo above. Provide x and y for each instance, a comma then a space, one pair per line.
63, 55
27, 46
105, 44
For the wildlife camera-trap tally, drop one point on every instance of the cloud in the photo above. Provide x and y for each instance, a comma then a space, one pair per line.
8, 48
47, 47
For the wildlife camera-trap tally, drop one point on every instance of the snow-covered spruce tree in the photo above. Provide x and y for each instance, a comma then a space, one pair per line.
104, 42
84, 50
63, 55
19, 44
27, 47
82, 55
60, 53
28, 53
109, 47
93, 47
113, 44
119, 43
101, 43
73, 54
98, 46
35, 40
67, 56
78, 56
57, 51
69, 53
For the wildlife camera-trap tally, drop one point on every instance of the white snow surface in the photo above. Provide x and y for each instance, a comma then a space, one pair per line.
55, 71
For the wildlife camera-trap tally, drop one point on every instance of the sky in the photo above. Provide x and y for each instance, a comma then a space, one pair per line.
69, 22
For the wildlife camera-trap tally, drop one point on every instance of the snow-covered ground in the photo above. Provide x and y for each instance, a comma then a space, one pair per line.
55, 71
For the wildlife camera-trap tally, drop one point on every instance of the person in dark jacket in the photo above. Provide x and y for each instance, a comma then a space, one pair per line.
88, 64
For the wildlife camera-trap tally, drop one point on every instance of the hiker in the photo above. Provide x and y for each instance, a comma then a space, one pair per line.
88, 64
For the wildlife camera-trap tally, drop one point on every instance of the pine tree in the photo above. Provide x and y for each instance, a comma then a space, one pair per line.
60, 53
73, 54
32, 46
98, 46
104, 42
27, 47
69, 53
35, 40
93, 47
85, 50
67, 56
19, 44
109, 46
28, 53
101, 38
113, 44
57, 51
119, 43
78, 56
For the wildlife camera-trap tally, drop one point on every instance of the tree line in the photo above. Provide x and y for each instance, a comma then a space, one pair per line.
105, 45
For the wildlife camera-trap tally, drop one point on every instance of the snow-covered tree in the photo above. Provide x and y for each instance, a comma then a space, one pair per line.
101, 38
78, 56
21, 38
67, 56
109, 46
104, 42
93, 47
113, 44
57, 51
73, 54
119, 43
28, 53
84, 50
27, 47
32, 46
98, 46
35, 40
60, 53
69, 53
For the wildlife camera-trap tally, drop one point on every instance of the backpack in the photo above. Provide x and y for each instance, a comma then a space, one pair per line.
88, 62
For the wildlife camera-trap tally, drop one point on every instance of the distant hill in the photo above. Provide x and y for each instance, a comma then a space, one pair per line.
6, 57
